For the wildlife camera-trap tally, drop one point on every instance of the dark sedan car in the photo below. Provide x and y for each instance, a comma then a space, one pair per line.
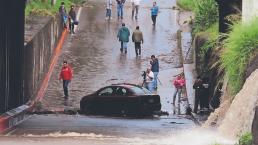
122, 99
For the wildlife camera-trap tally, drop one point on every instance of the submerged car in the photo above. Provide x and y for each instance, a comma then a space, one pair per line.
121, 99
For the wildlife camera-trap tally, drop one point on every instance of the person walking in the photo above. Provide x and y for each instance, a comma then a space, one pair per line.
155, 69
66, 75
137, 38
123, 36
63, 14
198, 86
154, 12
72, 19
120, 8
109, 4
149, 80
178, 83
135, 8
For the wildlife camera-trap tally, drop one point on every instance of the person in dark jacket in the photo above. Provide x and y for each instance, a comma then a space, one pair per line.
198, 86
66, 75
72, 19
123, 36
155, 69
137, 38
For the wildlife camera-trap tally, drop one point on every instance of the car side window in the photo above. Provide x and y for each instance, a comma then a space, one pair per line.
106, 92
120, 91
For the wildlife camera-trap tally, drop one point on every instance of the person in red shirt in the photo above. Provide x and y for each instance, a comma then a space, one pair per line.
178, 83
66, 75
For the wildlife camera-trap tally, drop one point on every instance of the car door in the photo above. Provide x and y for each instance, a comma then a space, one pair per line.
124, 100
103, 100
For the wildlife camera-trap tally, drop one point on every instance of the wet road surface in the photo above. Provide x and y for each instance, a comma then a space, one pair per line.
94, 55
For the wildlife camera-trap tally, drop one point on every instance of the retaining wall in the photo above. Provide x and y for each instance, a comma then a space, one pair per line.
41, 37
249, 10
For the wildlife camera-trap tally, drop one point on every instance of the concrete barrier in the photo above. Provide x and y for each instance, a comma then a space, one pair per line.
44, 37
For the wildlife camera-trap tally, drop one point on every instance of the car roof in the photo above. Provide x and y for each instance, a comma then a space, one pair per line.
127, 85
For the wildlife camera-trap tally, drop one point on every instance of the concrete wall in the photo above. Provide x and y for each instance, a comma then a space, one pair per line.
249, 10
41, 37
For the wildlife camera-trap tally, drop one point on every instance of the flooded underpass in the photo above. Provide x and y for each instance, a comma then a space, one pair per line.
93, 52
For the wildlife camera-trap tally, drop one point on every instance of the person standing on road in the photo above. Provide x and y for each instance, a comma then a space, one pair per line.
198, 86
66, 75
135, 8
154, 12
109, 4
155, 69
123, 36
120, 8
72, 19
178, 83
137, 38
149, 80
63, 14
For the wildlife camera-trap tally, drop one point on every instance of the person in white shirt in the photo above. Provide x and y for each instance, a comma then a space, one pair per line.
150, 80
135, 8
109, 4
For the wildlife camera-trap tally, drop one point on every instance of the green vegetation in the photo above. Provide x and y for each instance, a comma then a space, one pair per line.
213, 33
186, 4
240, 46
245, 139
206, 14
39, 7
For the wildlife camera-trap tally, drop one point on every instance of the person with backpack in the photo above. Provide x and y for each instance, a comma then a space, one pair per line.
63, 14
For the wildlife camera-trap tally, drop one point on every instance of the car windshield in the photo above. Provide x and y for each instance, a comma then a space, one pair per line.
140, 91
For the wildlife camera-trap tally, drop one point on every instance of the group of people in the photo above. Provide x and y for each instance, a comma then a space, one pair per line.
201, 86
151, 75
69, 18
150, 81
137, 37
135, 9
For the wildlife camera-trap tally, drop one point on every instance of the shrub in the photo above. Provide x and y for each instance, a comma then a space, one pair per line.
240, 46
206, 14
39, 7
186, 4
245, 139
